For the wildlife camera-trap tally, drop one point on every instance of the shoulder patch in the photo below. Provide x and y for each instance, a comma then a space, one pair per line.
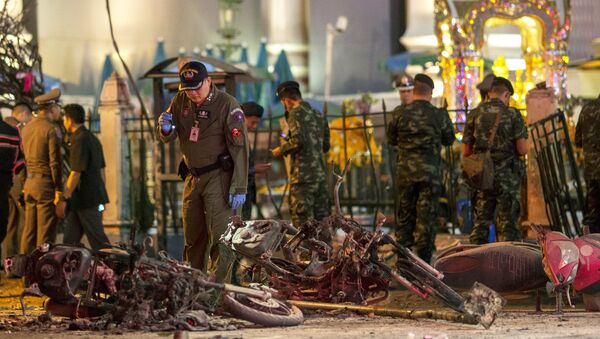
236, 132
237, 115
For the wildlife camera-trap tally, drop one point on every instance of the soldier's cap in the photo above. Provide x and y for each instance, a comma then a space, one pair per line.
252, 109
192, 75
48, 98
424, 78
500, 81
286, 85
486, 83
404, 83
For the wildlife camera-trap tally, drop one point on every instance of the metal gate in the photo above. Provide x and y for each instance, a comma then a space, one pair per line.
563, 193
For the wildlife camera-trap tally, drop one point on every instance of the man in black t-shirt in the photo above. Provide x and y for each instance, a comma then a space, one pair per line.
84, 190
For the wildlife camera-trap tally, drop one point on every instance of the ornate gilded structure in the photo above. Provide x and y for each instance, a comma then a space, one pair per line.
460, 25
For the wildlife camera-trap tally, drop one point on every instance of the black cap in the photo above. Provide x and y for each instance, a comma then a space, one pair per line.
191, 75
500, 81
48, 98
404, 83
286, 85
424, 79
252, 109
486, 83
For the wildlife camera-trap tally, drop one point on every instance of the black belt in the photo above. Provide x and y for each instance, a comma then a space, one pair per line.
203, 170
38, 175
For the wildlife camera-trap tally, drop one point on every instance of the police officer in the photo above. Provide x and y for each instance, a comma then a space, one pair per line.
587, 135
43, 187
20, 115
508, 145
253, 113
84, 189
212, 135
405, 85
306, 143
419, 130
11, 162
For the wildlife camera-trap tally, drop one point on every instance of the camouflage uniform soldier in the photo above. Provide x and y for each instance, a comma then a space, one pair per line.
419, 130
508, 144
43, 187
587, 135
212, 135
308, 139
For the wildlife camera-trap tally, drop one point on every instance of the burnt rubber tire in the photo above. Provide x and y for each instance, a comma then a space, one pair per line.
242, 307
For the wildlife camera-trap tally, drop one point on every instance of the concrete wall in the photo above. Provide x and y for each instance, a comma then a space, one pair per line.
358, 54
74, 35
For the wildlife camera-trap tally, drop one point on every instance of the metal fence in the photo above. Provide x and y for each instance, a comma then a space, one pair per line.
370, 187
559, 173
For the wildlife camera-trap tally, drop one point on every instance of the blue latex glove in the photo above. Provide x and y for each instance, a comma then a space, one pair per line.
165, 120
237, 200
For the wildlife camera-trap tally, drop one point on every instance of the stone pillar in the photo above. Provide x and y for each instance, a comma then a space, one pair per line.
286, 28
114, 108
540, 104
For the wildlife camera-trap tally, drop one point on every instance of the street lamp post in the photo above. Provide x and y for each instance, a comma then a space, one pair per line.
340, 27
227, 27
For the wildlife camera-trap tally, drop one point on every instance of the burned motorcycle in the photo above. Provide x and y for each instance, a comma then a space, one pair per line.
355, 272
506, 267
571, 262
126, 287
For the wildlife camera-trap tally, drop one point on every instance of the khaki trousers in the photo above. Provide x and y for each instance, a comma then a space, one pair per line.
206, 213
40, 220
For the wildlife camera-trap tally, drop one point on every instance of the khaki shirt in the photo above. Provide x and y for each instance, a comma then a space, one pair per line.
41, 145
221, 130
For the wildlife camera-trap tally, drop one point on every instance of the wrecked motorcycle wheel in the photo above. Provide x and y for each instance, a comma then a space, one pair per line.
270, 312
442, 291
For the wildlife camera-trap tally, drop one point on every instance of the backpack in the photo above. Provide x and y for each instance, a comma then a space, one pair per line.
478, 168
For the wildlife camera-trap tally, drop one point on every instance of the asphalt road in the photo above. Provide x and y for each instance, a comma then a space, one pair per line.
519, 320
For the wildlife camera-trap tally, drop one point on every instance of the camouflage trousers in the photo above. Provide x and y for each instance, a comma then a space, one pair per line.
592, 202
416, 217
505, 202
308, 200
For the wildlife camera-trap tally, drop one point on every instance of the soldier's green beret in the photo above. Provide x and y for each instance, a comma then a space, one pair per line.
424, 78
500, 81
286, 85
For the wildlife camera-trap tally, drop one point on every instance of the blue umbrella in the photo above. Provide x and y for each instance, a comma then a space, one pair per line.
159, 53
209, 51
244, 91
107, 70
159, 56
263, 88
283, 72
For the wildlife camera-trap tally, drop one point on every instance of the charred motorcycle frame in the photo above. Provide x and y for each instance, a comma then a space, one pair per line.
127, 287
355, 272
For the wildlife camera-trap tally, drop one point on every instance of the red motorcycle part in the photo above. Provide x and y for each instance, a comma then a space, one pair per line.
587, 279
505, 267
561, 256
